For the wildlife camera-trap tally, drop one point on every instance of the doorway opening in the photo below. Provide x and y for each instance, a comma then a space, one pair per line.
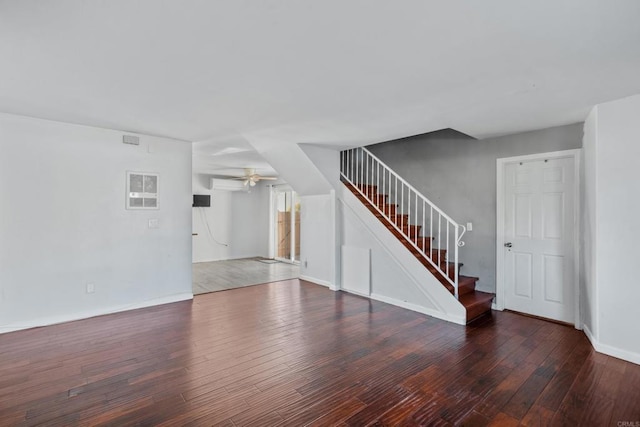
286, 225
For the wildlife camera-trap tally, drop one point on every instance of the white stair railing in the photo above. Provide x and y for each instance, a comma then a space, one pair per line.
410, 213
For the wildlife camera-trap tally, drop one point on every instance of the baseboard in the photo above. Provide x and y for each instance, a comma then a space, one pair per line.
349, 291
52, 320
228, 259
318, 282
413, 307
610, 350
589, 335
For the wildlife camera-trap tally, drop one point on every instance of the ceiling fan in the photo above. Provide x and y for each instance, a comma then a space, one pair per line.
250, 177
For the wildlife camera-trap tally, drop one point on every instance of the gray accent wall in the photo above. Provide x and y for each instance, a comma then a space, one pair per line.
458, 174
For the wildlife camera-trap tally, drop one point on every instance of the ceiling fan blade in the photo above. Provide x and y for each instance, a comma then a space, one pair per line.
268, 178
246, 182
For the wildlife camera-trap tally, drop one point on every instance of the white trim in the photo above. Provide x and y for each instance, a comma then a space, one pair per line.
272, 233
275, 189
231, 259
413, 307
595, 237
318, 282
610, 350
499, 300
292, 218
335, 261
577, 248
500, 198
52, 320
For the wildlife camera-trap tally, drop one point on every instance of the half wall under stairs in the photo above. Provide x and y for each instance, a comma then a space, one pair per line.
402, 220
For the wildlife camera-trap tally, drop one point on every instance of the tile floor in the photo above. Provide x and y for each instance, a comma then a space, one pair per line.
222, 275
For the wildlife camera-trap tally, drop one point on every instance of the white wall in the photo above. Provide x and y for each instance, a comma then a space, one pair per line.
588, 235
317, 239
63, 223
326, 160
211, 243
238, 222
295, 167
320, 221
611, 153
250, 222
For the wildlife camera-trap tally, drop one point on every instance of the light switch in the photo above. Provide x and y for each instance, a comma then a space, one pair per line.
154, 223
469, 226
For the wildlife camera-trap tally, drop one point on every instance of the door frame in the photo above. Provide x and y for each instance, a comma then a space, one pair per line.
500, 223
274, 189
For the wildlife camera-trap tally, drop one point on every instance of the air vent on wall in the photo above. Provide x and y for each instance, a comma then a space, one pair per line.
130, 139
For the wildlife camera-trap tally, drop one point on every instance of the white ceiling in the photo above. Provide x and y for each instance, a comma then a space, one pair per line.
228, 157
255, 74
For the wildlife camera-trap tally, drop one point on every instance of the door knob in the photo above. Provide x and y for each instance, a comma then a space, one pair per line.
508, 245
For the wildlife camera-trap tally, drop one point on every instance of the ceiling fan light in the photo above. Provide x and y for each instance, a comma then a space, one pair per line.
252, 183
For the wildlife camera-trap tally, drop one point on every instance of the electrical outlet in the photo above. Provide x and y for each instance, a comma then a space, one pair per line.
154, 223
469, 226
91, 288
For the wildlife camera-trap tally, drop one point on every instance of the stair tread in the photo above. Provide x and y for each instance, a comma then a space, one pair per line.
476, 304
474, 298
466, 285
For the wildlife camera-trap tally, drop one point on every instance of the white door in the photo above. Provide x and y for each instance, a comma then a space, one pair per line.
539, 237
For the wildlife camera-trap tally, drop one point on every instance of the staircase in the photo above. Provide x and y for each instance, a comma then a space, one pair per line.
425, 230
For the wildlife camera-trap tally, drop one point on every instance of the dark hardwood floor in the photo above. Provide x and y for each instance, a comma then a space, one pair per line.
294, 353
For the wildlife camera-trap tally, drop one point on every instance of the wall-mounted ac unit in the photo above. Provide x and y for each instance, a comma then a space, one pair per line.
227, 184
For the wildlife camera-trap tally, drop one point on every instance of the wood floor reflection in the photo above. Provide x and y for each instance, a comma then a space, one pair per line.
295, 353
